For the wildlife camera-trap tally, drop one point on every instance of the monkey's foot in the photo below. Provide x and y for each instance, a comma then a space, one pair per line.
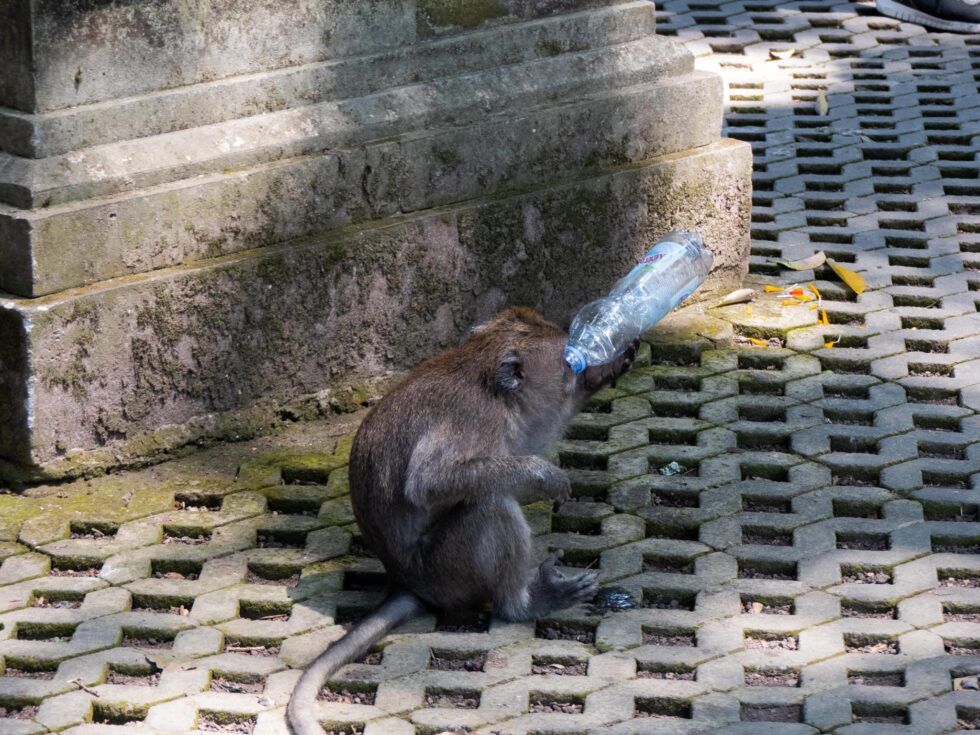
554, 590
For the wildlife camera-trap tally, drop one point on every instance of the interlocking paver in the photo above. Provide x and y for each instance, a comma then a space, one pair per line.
814, 565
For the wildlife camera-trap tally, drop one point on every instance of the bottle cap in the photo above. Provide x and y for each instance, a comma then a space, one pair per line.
575, 359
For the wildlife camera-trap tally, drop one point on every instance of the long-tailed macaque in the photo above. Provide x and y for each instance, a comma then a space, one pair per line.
438, 472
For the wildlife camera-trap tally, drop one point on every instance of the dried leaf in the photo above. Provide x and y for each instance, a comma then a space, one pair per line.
774, 342
806, 264
823, 106
781, 54
740, 296
852, 279
772, 289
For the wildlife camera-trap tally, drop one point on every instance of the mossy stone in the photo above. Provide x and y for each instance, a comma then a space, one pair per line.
437, 14
538, 516
337, 512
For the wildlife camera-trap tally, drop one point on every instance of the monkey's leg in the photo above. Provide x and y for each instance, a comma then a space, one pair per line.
473, 553
482, 553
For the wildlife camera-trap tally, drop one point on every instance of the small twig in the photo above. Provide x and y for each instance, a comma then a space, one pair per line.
84, 688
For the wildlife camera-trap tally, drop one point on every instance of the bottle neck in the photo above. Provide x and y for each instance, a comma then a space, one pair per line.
575, 359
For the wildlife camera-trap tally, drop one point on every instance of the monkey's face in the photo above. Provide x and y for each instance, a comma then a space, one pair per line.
524, 367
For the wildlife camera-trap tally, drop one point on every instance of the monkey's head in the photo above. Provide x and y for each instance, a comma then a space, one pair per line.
520, 354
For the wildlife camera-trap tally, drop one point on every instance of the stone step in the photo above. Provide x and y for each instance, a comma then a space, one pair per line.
65, 53
220, 208
464, 99
85, 52
110, 373
85, 126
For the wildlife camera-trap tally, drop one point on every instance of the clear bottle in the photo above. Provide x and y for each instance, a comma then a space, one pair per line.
663, 278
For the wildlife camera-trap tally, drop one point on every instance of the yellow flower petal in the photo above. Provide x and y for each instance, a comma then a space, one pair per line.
790, 302
814, 289
772, 289
806, 264
758, 342
852, 279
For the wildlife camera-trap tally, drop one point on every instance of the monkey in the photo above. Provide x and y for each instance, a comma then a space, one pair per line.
439, 469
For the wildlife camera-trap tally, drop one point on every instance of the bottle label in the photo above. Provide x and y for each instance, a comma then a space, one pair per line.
652, 257
656, 254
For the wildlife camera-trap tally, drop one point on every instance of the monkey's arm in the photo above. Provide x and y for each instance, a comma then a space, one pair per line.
436, 481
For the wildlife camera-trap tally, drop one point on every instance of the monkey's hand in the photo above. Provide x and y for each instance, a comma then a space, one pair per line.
600, 376
550, 482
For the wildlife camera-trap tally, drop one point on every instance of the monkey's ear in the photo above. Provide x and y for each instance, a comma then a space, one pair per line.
474, 331
509, 375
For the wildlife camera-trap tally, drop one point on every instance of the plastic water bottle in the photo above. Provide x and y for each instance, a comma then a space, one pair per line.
663, 278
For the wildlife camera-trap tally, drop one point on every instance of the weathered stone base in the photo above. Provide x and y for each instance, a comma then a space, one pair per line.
110, 364
125, 186
218, 213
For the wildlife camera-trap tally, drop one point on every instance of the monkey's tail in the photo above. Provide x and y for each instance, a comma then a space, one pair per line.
301, 711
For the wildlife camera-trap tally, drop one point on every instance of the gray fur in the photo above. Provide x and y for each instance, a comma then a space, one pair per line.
438, 472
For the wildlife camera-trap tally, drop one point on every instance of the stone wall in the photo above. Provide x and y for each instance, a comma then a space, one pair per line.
214, 208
